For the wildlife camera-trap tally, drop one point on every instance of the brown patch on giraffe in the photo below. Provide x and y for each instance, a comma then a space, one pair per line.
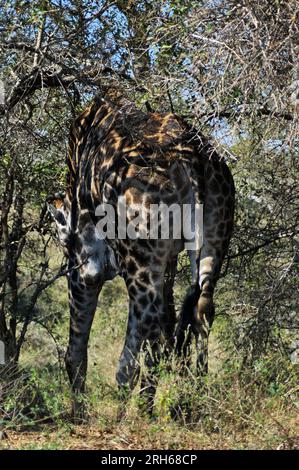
58, 203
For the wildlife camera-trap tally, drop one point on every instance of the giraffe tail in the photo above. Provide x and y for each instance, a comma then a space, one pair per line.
186, 321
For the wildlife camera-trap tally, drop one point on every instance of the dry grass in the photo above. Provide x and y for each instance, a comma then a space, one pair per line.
250, 409
134, 433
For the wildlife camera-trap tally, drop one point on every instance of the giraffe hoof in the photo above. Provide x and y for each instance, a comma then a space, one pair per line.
79, 414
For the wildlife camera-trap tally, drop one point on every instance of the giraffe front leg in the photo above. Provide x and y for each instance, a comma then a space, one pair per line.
83, 301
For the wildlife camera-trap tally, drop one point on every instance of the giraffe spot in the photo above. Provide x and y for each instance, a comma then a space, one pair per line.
142, 258
143, 300
148, 320
131, 267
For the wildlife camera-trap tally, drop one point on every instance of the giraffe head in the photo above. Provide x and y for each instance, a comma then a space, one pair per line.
95, 259
59, 208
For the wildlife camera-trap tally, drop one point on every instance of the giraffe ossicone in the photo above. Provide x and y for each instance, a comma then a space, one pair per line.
117, 152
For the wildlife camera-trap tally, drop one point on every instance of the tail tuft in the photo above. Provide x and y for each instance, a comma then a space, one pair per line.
186, 319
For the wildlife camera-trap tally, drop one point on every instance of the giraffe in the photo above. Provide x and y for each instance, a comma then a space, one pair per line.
116, 150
